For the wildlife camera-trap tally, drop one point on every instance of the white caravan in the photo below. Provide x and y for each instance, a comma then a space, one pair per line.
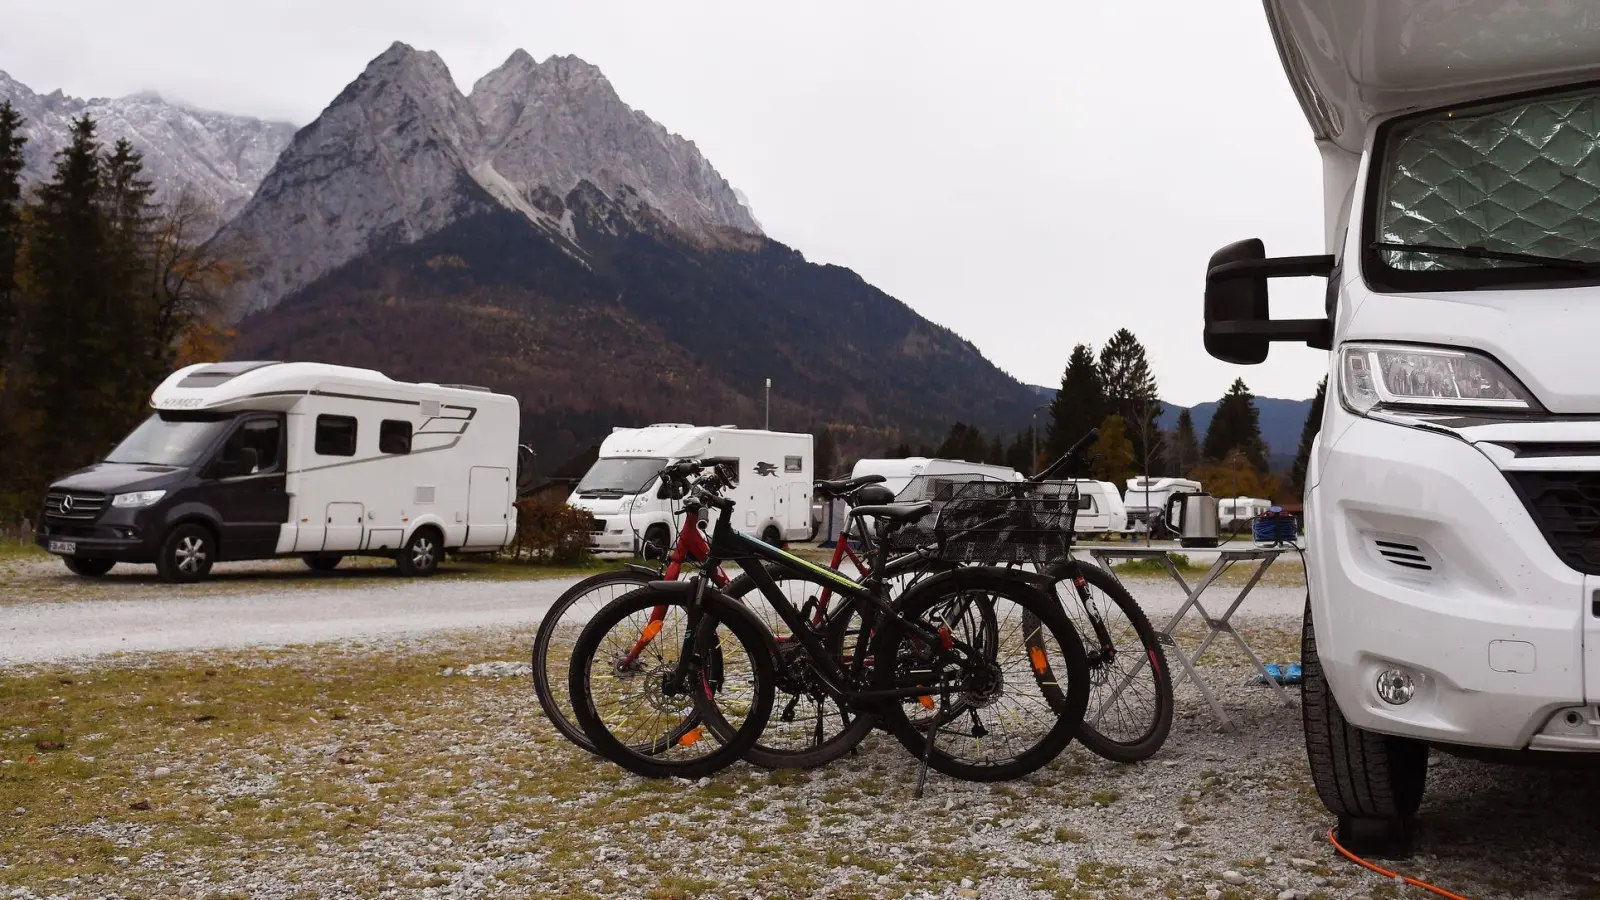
1147, 496
898, 473
251, 460
619, 490
1453, 489
1100, 508
1233, 512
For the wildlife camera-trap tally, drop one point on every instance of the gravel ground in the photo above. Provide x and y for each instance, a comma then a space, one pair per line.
450, 784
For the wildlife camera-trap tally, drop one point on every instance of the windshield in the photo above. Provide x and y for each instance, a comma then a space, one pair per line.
1489, 195
166, 439
620, 475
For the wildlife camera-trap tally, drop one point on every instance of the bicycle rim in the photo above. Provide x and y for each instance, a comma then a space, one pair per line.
558, 632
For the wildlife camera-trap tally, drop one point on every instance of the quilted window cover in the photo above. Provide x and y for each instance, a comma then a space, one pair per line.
1523, 178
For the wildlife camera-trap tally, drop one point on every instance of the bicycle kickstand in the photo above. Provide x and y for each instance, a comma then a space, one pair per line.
927, 748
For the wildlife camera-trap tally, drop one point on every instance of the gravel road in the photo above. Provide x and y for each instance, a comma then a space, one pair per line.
262, 612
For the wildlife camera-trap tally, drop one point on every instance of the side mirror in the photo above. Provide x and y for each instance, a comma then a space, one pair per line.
1238, 328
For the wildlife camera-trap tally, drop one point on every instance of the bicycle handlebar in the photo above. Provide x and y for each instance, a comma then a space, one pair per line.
1075, 453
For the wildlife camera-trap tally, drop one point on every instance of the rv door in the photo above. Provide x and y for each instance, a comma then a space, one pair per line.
488, 506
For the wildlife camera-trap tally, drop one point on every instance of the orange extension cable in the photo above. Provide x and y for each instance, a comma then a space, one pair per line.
1386, 873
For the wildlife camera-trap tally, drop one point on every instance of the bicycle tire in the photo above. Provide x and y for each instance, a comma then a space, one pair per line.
1152, 740
560, 716
1036, 606
649, 762
861, 724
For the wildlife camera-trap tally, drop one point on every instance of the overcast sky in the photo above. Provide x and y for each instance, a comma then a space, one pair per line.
1030, 174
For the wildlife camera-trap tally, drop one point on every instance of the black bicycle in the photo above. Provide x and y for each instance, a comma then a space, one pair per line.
976, 670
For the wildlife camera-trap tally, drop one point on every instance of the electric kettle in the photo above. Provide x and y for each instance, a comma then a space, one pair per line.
1193, 517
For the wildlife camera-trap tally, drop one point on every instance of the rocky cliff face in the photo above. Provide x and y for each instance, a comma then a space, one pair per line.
220, 157
402, 153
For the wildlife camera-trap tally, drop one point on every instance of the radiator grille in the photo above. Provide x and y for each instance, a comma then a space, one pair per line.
74, 506
1566, 507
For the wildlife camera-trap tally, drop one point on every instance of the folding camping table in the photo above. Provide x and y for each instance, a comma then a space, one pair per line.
1215, 625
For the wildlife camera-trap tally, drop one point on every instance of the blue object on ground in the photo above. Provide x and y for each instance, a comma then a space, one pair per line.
1286, 674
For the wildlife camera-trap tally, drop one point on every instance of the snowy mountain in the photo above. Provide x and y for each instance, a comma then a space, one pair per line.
221, 157
401, 153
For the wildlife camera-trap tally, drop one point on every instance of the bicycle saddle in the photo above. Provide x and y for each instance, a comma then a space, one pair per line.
895, 512
841, 486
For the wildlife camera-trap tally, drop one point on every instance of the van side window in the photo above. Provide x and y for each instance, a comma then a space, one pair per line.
394, 436
791, 463
259, 441
336, 436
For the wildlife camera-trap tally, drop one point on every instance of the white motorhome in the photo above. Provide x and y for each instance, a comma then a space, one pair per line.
1147, 497
1235, 512
898, 473
252, 460
619, 490
1452, 491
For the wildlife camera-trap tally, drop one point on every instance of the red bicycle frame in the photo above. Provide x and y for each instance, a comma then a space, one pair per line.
690, 545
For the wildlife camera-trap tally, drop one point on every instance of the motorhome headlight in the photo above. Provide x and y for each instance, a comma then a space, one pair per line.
1395, 376
137, 499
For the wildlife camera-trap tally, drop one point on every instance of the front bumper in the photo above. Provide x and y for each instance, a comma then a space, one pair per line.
119, 535
1423, 557
614, 538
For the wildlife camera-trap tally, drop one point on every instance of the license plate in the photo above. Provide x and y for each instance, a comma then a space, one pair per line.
65, 548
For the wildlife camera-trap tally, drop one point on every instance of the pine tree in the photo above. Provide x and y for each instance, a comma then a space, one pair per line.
1079, 405
964, 442
826, 453
11, 144
1237, 426
1130, 392
899, 451
1019, 455
72, 356
1114, 452
1185, 445
1302, 457
996, 454
129, 215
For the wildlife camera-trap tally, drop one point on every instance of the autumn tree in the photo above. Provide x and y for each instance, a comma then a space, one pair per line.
1308, 434
1079, 404
1130, 392
1236, 425
1235, 475
192, 280
1114, 452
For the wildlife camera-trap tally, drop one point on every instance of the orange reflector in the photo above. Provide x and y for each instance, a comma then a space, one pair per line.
1039, 662
926, 702
650, 631
690, 739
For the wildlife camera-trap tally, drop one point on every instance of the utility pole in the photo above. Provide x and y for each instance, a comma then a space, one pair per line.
769, 404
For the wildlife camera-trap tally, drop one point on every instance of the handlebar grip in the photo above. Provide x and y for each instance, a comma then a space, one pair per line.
1085, 442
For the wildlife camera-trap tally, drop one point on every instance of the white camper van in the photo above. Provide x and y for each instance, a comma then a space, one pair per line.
251, 460
899, 472
1452, 493
1100, 507
1236, 512
619, 490
1147, 497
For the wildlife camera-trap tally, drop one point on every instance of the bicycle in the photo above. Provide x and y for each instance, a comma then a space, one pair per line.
914, 655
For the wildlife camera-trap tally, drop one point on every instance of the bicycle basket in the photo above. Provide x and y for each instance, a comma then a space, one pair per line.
938, 490
985, 522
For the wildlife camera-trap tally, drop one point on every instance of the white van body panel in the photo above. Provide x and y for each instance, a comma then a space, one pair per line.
898, 473
457, 476
774, 490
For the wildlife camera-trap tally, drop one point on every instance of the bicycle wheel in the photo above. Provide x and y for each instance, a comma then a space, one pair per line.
558, 631
809, 726
1130, 689
1007, 701
629, 699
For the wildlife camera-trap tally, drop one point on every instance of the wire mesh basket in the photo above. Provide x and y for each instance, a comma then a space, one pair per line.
938, 490
991, 522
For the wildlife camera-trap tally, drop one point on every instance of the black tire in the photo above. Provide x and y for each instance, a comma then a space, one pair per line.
187, 554
1141, 739
657, 534
421, 555
1372, 782
655, 761
1042, 618
772, 536
323, 562
87, 568
550, 668
775, 750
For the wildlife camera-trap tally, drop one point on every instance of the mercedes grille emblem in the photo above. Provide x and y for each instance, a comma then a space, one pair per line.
66, 503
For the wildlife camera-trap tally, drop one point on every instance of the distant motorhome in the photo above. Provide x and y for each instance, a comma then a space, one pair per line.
774, 490
253, 460
1147, 496
898, 473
